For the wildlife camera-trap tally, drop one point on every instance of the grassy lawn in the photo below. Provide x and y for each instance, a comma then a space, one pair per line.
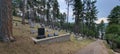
25, 45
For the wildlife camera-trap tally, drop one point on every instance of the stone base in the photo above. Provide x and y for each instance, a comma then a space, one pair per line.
60, 38
41, 37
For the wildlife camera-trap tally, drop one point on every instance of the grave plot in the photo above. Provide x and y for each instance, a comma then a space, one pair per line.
60, 38
46, 33
25, 45
51, 37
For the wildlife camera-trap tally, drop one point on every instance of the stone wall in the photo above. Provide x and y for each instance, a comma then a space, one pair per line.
61, 38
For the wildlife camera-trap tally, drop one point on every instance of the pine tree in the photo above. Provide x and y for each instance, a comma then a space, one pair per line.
24, 3
77, 11
6, 20
68, 3
114, 16
48, 11
102, 29
113, 29
90, 16
55, 11
62, 19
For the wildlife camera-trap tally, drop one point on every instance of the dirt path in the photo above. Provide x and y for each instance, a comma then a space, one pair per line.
96, 47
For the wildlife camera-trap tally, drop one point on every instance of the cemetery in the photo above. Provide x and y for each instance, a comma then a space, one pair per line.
25, 44
59, 27
52, 41
43, 34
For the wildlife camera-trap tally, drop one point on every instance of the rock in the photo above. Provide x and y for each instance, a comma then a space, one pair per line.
50, 35
32, 31
80, 38
56, 34
80, 34
50, 26
43, 26
48, 30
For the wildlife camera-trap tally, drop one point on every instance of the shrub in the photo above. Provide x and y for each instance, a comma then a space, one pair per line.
113, 35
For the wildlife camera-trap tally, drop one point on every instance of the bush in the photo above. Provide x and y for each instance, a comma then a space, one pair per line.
113, 35
113, 29
109, 36
117, 41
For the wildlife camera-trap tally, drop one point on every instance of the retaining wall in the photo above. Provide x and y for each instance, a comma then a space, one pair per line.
61, 38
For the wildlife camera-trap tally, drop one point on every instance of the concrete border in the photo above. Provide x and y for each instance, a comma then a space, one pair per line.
60, 38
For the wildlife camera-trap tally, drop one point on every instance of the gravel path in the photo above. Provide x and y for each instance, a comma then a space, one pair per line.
96, 47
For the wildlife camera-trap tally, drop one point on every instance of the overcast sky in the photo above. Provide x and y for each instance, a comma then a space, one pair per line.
104, 7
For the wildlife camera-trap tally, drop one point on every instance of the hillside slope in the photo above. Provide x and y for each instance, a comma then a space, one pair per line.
25, 45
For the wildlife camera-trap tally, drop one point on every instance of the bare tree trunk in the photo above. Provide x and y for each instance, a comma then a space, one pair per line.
67, 15
24, 11
6, 20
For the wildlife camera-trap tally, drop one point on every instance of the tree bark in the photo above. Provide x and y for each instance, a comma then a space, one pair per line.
24, 11
6, 20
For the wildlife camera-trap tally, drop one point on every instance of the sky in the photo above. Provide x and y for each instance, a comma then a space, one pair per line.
104, 7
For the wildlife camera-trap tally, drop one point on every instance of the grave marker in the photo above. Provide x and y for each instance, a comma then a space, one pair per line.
41, 33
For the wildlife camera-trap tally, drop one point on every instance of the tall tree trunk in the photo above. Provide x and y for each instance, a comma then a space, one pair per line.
76, 26
24, 11
68, 15
47, 13
6, 20
47, 16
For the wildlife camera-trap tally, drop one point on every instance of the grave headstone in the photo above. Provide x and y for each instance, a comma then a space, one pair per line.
41, 33
59, 29
56, 28
16, 24
32, 25
29, 21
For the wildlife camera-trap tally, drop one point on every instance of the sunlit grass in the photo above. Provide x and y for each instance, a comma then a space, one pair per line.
25, 45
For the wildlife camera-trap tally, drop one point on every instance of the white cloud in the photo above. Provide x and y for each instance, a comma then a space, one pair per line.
100, 19
62, 5
61, 1
63, 8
